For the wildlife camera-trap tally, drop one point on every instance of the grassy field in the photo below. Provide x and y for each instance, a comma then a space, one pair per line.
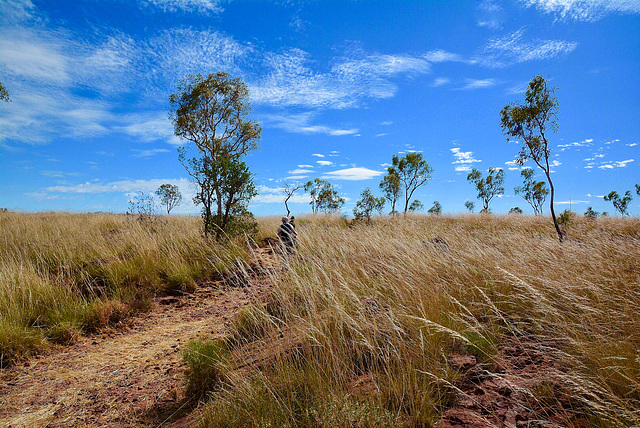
363, 321
360, 325
63, 275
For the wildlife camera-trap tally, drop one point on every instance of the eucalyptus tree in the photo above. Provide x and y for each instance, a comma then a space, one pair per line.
470, 205
324, 196
435, 209
487, 187
412, 171
367, 204
391, 187
529, 122
620, 204
170, 196
4, 94
212, 113
534, 192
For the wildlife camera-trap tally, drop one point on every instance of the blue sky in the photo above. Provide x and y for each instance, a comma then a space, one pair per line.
339, 87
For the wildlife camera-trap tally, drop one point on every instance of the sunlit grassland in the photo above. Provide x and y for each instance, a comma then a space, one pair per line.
360, 325
62, 275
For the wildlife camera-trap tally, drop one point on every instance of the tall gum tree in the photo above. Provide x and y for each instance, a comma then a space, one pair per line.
212, 113
413, 171
529, 121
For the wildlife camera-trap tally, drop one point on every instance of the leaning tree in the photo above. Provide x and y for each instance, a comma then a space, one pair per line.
529, 122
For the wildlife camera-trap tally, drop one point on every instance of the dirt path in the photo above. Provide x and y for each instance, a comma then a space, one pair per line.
131, 378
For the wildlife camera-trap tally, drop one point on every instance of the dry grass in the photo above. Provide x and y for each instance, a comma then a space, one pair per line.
379, 308
64, 274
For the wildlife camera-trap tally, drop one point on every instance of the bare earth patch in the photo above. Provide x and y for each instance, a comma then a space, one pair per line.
132, 377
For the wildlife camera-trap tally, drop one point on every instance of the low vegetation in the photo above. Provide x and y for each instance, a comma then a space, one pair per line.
62, 275
359, 330
360, 327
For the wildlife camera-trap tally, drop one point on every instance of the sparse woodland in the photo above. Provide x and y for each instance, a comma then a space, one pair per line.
364, 325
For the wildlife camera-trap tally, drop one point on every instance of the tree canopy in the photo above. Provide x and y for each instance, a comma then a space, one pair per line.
391, 187
170, 196
534, 192
324, 197
620, 204
4, 94
488, 187
412, 171
212, 113
367, 205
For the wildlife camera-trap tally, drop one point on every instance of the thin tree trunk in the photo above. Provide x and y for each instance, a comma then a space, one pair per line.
553, 213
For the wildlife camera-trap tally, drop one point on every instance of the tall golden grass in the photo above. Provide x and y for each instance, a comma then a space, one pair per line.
371, 314
65, 274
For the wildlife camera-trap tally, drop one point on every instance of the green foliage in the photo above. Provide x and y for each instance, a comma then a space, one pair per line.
412, 171
170, 196
367, 205
487, 187
4, 94
590, 213
469, 205
529, 122
620, 204
534, 192
206, 366
391, 187
435, 209
324, 197
566, 218
515, 210
212, 113
638, 189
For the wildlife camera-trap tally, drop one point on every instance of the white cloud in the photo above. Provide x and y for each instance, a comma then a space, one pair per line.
631, 144
305, 166
324, 163
202, 6
386, 123
471, 84
616, 164
270, 195
123, 186
439, 81
300, 171
382, 134
513, 49
463, 160
353, 174
148, 153
318, 155
300, 124
584, 10
584, 143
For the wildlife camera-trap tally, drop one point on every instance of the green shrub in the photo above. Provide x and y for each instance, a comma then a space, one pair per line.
207, 366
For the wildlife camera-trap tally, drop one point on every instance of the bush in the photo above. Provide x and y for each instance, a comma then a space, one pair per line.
207, 367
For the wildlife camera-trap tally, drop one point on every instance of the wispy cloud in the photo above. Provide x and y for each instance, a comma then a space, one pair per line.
324, 163
97, 187
201, 6
148, 153
440, 81
463, 160
615, 164
584, 10
300, 124
584, 143
353, 174
514, 49
471, 84
273, 195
